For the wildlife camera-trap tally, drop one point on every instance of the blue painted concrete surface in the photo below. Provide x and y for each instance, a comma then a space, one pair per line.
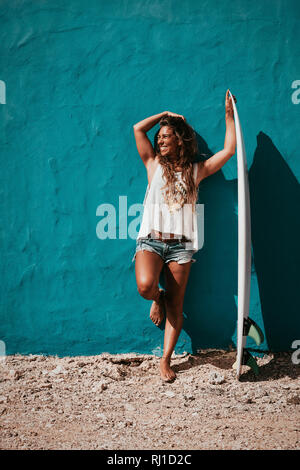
75, 76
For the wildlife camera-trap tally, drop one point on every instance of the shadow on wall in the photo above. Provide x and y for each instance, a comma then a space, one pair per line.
275, 202
210, 308
210, 297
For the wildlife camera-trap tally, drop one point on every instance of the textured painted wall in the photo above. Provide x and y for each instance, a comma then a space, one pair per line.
75, 76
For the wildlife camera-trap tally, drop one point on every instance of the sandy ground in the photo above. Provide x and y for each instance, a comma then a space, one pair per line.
119, 402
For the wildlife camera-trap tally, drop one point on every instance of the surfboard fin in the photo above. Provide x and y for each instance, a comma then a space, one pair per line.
253, 330
249, 360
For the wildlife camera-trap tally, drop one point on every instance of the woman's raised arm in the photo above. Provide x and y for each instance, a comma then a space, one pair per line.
215, 163
143, 143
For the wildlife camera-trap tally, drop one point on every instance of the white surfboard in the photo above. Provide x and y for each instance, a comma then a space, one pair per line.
245, 326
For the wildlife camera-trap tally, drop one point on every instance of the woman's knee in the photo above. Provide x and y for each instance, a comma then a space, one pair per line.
146, 288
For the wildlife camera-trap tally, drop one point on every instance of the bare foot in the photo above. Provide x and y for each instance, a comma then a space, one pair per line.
157, 310
166, 373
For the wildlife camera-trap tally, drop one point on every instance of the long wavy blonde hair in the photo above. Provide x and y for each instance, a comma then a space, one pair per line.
187, 152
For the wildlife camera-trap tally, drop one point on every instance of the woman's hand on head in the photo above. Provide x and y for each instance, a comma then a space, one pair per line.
228, 104
169, 113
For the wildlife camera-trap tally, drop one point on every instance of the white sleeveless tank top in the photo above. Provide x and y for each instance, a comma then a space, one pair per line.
169, 218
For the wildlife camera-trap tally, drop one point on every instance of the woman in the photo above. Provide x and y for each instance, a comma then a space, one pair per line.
168, 235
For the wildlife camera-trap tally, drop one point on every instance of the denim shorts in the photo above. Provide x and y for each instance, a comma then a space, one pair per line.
167, 251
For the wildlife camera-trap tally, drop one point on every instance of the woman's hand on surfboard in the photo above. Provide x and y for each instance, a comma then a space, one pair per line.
228, 104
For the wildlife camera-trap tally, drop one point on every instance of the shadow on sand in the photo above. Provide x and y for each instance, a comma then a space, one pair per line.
279, 366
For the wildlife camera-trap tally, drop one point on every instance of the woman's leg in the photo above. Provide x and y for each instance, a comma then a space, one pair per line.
176, 277
148, 266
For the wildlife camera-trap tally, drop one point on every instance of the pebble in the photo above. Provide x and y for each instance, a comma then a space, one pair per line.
101, 416
189, 397
46, 385
216, 379
99, 387
169, 394
129, 407
15, 374
58, 370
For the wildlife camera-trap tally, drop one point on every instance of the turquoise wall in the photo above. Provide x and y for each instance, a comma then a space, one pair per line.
75, 76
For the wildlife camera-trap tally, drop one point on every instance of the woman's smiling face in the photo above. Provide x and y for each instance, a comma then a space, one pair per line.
167, 142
